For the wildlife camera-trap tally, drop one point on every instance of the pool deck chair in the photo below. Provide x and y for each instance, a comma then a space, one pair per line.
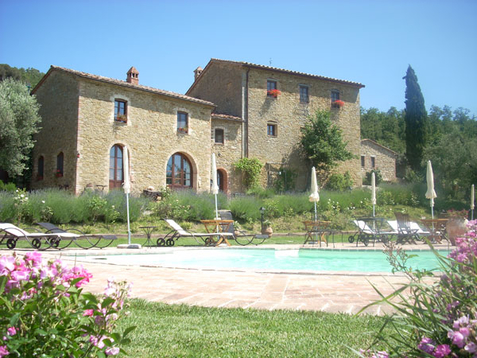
85, 241
406, 233
12, 234
178, 232
366, 233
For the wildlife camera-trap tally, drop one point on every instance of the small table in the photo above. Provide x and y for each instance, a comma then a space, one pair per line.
216, 227
148, 231
315, 229
437, 229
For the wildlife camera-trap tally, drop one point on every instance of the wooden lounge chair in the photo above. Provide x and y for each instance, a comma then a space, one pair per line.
12, 234
406, 233
178, 232
83, 240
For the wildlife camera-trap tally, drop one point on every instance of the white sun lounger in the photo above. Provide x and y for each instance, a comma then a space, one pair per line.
178, 232
13, 233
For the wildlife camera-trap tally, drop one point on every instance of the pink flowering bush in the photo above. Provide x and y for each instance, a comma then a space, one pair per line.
436, 312
44, 313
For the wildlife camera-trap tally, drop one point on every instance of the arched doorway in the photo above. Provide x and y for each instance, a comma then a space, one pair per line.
115, 167
179, 172
222, 180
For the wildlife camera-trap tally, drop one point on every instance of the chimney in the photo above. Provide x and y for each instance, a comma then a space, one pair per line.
133, 76
197, 72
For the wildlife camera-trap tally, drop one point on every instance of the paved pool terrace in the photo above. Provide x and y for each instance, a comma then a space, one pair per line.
332, 292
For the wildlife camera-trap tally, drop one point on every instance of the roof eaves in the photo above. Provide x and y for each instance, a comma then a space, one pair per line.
128, 85
379, 145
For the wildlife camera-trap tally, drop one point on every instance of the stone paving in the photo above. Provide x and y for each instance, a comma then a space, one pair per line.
333, 292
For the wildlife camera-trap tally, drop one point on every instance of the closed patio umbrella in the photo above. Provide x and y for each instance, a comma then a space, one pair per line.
430, 194
472, 200
214, 188
314, 197
373, 193
127, 187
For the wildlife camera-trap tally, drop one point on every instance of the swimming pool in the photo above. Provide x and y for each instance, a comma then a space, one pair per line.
268, 259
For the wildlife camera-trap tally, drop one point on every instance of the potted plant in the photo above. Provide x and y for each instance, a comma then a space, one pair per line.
338, 103
456, 225
267, 228
273, 93
122, 118
58, 173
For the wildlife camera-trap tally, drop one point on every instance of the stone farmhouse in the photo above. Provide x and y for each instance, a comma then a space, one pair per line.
374, 156
233, 109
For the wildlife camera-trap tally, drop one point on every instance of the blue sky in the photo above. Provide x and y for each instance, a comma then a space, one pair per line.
371, 42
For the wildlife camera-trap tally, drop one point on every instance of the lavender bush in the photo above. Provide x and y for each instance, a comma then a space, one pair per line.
44, 313
436, 312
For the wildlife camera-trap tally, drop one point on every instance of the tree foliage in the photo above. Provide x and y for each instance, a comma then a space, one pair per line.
250, 168
19, 120
416, 121
30, 76
322, 142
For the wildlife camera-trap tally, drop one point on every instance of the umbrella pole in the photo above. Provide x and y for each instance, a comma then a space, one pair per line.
127, 213
216, 214
316, 216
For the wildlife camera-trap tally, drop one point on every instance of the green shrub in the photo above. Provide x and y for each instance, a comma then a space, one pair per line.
339, 182
246, 208
377, 176
250, 168
7, 186
285, 180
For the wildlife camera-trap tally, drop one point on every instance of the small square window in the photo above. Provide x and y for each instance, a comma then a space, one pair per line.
271, 130
272, 89
120, 111
219, 136
304, 97
363, 161
182, 122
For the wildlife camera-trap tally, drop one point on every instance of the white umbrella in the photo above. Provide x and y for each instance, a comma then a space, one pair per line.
430, 194
314, 197
215, 188
472, 200
127, 187
373, 193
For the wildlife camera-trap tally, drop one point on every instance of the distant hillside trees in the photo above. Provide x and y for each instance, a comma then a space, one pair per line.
29, 76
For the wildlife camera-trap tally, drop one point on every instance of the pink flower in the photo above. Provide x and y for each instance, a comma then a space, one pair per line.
7, 264
11, 331
457, 339
442, 351
112, 351
88, 313
471, 347
34, 257
4, 351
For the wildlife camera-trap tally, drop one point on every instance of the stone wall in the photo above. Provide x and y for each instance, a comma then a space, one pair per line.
230, 152
150, 135
289, 115
58, 97
384, 158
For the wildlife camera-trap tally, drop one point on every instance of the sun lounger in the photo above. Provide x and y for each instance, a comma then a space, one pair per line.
371, 229
85, 241
413, 225
12, 233
178, 232
406, 233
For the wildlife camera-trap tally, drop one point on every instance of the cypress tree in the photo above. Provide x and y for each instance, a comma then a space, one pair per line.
416, 121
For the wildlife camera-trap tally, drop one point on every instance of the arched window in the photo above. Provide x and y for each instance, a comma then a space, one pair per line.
222, 180
41, 168
179, 172
59, 164
115, 167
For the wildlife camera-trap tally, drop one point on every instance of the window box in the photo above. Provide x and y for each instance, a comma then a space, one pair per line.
121, 118
184, 130
273, 93
58, 173
337, 104
39, 177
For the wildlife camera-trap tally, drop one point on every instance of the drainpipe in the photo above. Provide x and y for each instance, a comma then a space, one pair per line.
245, 113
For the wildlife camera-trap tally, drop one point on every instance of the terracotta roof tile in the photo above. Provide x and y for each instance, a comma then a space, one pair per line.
227, 117
126, 84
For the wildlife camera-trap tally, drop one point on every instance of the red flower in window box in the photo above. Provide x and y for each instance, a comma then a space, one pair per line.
274, 93
58, 173
39, 177
338, 103
122, 118
183, 130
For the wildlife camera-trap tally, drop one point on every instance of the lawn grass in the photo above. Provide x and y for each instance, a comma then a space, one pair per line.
187, 331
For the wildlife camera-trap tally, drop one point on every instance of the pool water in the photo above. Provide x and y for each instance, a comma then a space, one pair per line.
270, 259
